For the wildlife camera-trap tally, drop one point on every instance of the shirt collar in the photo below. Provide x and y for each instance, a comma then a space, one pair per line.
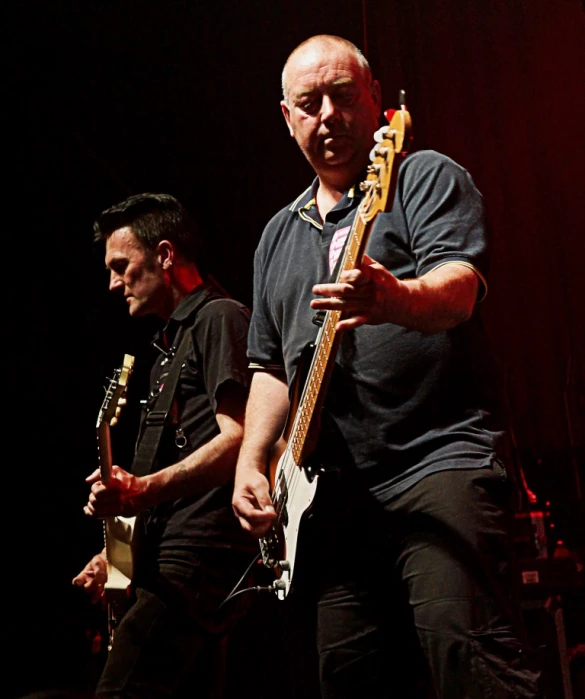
305, 203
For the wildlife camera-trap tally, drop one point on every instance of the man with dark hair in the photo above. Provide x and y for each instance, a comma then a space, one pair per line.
191, 550
408, 538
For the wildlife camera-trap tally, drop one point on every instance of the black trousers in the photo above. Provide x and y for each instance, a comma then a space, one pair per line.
165, 642
420, 589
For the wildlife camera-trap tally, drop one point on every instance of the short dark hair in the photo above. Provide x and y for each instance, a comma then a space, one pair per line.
155, 217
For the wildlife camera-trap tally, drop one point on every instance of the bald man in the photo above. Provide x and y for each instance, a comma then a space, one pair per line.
406, 554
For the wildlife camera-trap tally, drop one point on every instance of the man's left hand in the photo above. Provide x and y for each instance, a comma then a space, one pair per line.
120, 496
363, 295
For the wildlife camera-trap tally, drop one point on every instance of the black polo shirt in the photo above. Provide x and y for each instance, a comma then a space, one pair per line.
407, 403
215, 359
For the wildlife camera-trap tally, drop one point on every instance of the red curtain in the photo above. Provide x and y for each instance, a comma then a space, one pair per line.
499, 86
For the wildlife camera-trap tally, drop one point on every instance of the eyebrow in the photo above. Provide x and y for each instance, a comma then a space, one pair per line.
339, 82
113, 260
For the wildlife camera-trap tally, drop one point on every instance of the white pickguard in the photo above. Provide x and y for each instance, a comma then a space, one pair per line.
118, 534
296, 492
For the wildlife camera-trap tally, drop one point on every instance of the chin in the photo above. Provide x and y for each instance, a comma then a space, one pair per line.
339, 156
336, 160
134, 309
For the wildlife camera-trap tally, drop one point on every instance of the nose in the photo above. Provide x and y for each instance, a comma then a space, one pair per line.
115, 281
328, 108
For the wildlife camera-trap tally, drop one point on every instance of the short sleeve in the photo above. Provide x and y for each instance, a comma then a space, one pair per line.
220, 337
445, 214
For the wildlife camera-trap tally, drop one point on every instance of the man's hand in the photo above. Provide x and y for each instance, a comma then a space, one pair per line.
251, 502
435, 302
364, 295
124, 494
93, 577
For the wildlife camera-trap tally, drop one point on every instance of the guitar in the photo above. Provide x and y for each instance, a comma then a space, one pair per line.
118, 531
293, 480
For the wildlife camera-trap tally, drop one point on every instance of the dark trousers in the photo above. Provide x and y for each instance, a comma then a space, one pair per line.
420, 588
166, 642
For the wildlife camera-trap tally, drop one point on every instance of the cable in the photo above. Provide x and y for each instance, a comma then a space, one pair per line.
233, 593
256, 588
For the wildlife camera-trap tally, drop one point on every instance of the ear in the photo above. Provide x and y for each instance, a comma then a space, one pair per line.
165, 253
376, 93
286, 114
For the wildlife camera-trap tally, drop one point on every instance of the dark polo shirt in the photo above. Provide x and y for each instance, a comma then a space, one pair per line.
216, 360
407, 404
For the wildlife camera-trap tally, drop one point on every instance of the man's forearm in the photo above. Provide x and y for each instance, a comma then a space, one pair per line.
266, 413
438, 301
210, 466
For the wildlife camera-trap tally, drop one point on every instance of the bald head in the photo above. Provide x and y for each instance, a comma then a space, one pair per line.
323, 43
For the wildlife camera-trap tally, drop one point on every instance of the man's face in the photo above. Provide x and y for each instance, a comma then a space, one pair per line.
332, 109
135, 272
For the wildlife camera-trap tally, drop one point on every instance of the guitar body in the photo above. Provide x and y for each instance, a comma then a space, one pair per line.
119, 532
118, 535
294, 488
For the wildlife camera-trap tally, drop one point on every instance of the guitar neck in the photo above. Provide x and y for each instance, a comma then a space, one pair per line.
104, 451
379, 188
114, 399
305, 426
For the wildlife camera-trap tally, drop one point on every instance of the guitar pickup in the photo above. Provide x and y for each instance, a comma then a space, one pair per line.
319, 318
269, 548
282, 499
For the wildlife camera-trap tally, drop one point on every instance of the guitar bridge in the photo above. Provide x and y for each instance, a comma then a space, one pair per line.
269, 547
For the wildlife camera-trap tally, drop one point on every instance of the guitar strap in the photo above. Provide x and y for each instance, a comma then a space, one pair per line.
155, 419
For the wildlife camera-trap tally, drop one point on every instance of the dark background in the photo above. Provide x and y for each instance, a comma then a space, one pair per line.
108, 99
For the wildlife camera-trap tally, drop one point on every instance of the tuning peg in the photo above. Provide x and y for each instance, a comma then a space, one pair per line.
380, 134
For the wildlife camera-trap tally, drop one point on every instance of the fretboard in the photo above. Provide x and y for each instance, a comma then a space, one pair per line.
317, 380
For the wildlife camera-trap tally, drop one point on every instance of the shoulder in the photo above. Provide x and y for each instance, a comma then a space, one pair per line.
222, 309
429, 161
220, 329
281, 231
288, 213
431, 165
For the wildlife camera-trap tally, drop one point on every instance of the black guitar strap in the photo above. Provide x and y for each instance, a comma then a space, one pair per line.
154, 421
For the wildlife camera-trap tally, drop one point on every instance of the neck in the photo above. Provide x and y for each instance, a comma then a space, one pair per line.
183, 279
327, 198
332, 186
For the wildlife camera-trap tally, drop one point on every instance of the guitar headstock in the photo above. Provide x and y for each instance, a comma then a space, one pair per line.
391, 141
115, 397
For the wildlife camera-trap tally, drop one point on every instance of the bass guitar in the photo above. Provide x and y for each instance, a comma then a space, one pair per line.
118, 531
293, 480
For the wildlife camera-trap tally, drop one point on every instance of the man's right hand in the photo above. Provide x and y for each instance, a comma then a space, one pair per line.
252, 503
93, 577
266, 413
